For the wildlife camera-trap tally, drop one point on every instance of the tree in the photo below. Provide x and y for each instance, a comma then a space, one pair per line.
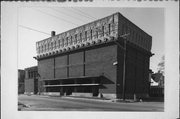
159, 76
161, 71
161, 65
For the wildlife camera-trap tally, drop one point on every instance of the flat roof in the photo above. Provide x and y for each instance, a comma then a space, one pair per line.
81, 77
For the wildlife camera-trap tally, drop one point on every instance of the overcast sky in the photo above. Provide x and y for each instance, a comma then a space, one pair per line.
36, 24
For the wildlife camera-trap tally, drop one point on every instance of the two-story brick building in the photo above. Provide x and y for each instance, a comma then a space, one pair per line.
31, 80
92, 59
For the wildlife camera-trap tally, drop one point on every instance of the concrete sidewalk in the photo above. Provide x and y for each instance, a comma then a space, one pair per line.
92, 98
69, 103
150, 99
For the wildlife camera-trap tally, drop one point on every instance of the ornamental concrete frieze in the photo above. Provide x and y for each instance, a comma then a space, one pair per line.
90, 34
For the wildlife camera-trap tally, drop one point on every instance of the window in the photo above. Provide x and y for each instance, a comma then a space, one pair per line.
136, 39
102, 30
45, 48
59, 43
96, 33
29, 75
80, 37
41, 48
109, 27
85, 35
62, 43
71, 41
132, 35
51, 45
75, 39
125, 29
91, 34
54, 44
67, 41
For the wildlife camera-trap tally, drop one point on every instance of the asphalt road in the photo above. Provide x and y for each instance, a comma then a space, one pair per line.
46, 103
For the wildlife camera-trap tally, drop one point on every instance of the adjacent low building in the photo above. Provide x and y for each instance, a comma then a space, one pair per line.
21, 77
31, 80
95, 60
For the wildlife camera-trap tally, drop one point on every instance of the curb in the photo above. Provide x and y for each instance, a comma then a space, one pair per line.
21, 106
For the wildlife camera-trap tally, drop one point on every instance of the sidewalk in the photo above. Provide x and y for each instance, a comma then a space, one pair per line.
150, 99
52, 103
21, 106
98, 99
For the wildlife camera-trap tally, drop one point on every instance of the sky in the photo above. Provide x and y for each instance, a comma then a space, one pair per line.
36, 23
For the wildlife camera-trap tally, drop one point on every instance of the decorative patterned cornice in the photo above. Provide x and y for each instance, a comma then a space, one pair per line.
89, 34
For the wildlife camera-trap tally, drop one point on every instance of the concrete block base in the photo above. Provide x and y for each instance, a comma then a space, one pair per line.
51, 93
28, 93
82, 94
107, 95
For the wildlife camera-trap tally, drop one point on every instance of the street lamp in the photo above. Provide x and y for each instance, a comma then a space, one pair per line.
124, 61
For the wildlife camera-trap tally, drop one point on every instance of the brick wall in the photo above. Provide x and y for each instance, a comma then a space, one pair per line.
61, 66
94, 61
29, 85
76, 64
100, 61
46, 68
137, 66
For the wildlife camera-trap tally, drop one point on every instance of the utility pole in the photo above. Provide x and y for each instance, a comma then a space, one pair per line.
124, 62
124, 69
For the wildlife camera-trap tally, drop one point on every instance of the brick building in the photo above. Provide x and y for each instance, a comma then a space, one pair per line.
31, 80
90, 60
21, 77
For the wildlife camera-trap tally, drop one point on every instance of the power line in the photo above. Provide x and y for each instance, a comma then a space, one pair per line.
57, 17
33, 29
84, 13
66, 14
75, 11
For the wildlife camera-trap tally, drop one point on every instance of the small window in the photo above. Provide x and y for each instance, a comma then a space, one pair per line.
75, 38
32, 74
102, 30
85, 35
51, 45
71, 40
59, 43
47, 46
96, 33
42, 48
62, 42
67, 41
80, 37
55, 44
109, 27
29, 75
133, 35
91, 33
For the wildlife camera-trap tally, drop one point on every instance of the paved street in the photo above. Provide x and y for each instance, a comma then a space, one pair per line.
46, 103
